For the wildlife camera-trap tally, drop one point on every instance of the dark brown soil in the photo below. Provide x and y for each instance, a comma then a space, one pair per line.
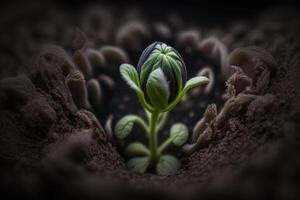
49, 149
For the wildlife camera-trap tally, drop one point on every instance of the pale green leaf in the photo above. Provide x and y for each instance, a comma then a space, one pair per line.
194, 82
137, 149
158, 89
167, 165
177, 71
129, 74
124, 126
139, 164
147, 67
179, 134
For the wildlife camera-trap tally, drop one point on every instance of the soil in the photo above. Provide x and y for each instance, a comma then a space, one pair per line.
50, 148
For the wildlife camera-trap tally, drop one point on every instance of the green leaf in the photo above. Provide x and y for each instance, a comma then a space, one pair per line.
124, 126
137, 149
194, 82
139, 164
167, 165
177, 71
173, 55
179, 133
148, 66
158, 89
130, 75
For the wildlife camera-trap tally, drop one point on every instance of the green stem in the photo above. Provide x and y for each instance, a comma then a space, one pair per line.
164, 145
148, 114
162, 120
153, 138
141, 122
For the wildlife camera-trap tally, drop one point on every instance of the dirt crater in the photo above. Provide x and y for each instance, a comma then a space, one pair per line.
52, 147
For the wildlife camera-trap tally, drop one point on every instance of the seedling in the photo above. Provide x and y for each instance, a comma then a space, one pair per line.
160, 83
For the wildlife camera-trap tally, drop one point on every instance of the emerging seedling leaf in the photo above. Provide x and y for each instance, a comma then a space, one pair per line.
129, 73
194, 82
179, 133
139, 164
167, 165
137, 149
158, 89
124, 126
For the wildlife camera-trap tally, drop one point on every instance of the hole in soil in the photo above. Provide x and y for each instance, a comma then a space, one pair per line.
47, 146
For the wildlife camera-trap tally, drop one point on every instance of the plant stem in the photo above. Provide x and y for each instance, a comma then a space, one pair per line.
141, 122
164, 145
162, 120
153, 138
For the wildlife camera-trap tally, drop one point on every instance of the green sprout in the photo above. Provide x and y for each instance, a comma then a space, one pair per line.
160, 83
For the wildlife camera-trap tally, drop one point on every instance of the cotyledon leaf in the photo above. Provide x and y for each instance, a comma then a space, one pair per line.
167, 165
194, 82
139, 164
179, 133
129, 74
124, 126
137, 148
